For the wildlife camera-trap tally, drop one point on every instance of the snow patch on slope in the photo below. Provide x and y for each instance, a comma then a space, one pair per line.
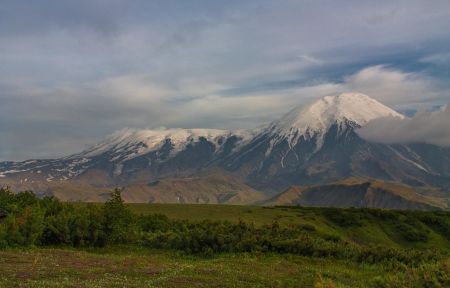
128, 143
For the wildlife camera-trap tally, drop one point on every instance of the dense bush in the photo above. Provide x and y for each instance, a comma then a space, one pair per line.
344, 217
47, 221
424, 275
412, 233
437, 221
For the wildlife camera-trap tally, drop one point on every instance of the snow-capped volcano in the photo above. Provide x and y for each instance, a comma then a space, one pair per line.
354, 109
315, 120
319, 143
311, 144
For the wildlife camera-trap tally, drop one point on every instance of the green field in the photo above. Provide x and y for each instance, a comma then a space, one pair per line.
371, 231
198, 212
47, 243
125, 267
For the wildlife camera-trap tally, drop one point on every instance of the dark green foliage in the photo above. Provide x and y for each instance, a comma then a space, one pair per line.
438, 221
411, 229
344, 217
222, 237
47, 221
24, 224
385, 215
425, 275
411, 226
307, 227
155, 222
118, 221
12, 203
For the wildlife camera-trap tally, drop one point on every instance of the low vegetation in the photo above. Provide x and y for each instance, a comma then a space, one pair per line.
415, 244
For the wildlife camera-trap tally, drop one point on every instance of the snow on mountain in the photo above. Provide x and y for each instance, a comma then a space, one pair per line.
128, 143
310, 121
354, 109
288, 151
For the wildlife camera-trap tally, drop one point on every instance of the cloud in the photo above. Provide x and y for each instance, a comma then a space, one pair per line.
395, 87
73, 71
71, 116
424, 127
19, 17
437, 59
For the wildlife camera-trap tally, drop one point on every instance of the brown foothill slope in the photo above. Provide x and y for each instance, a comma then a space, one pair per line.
210, 189
215, 187
357, 193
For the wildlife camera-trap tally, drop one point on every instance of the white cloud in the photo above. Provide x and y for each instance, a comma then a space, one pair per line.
394, 87
424, 127
91, 109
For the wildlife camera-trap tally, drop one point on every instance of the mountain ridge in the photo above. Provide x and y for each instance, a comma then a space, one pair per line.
309, 145
354, 192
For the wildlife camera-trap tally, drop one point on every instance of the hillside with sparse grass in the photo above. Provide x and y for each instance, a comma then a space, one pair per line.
362, 193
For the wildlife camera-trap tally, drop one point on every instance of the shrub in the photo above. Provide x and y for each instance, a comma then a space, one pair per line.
33, 221
344, 217
307, 227
440, 221
154, 222
118, 221
412, 233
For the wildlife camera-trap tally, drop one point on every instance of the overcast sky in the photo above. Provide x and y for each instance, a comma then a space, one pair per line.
72, 72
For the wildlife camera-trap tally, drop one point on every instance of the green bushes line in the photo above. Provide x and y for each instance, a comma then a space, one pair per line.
48, 222
412, 226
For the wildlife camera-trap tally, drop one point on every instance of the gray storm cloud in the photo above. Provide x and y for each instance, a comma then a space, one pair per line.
424, 127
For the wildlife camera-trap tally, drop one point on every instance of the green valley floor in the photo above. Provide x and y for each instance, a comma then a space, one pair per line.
135, 267
46, 243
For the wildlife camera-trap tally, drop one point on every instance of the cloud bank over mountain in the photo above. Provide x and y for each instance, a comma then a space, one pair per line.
429, 127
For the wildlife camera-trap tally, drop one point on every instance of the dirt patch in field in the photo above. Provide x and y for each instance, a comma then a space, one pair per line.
186, 281
23, 275
84, 263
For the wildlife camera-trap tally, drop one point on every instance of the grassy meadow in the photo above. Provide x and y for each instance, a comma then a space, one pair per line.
47, 243
134, 267
368, 230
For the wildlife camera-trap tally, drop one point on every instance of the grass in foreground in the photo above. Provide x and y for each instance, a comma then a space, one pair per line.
121, 267
120, 245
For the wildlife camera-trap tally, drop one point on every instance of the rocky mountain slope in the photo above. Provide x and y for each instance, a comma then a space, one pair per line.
361, 193
310, 145
320, 144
